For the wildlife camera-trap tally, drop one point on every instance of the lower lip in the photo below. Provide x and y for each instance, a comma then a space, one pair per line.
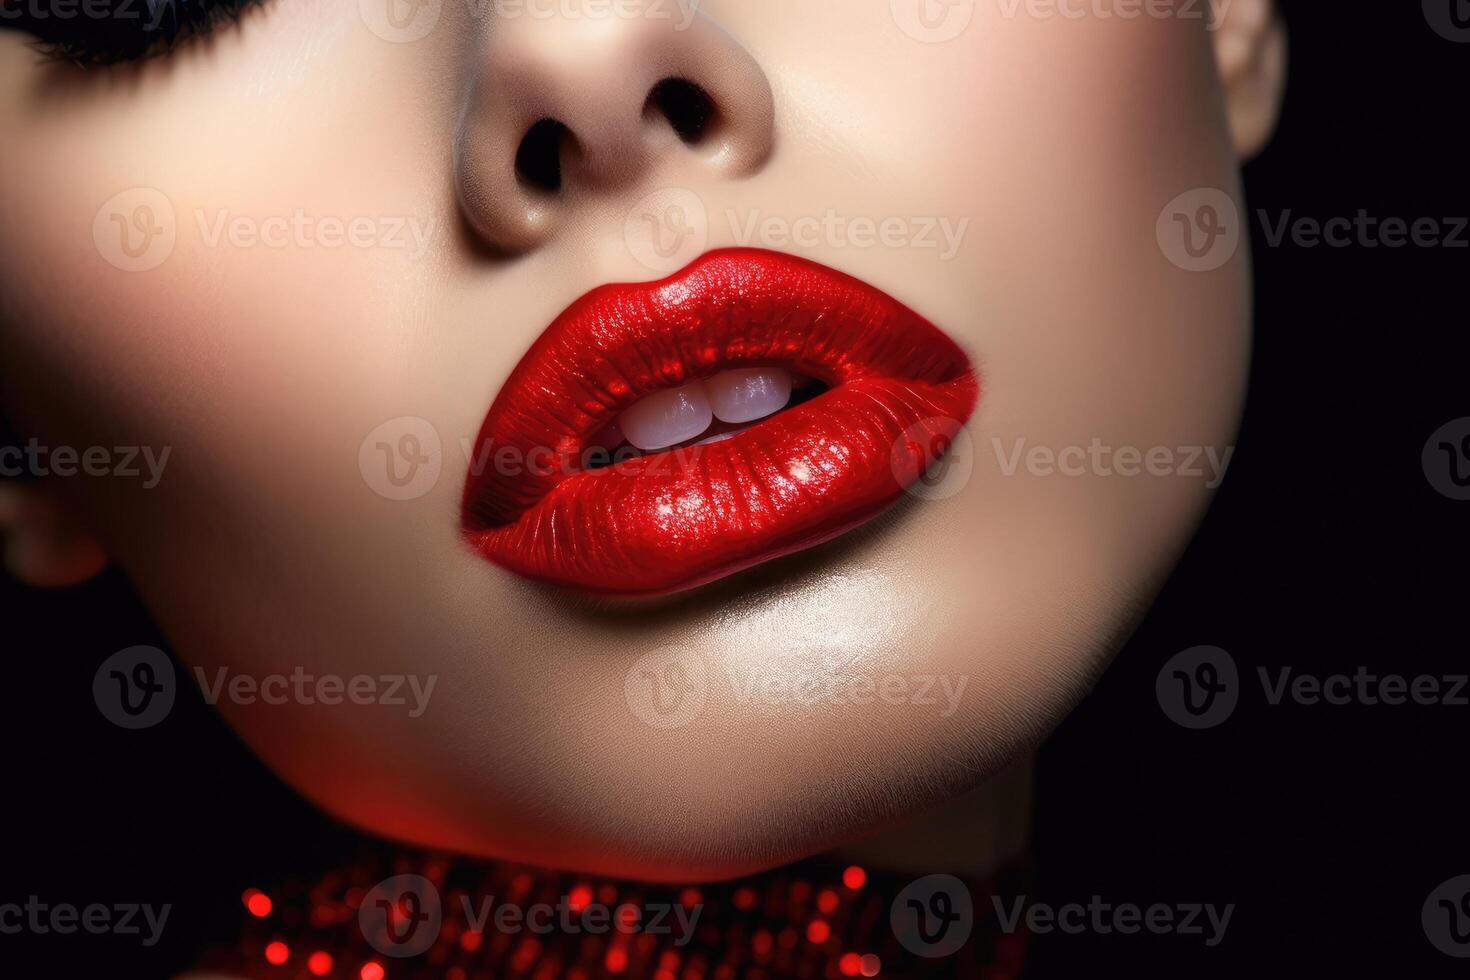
683, 517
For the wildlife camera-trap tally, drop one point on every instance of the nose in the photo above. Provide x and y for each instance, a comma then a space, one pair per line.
563, 110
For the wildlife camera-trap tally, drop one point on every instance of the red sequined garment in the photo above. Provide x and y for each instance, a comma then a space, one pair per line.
469, 920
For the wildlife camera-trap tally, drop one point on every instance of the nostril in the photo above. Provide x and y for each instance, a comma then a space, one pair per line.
538, 158
685, 105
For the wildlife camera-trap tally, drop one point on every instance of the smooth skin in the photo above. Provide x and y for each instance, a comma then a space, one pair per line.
264, 548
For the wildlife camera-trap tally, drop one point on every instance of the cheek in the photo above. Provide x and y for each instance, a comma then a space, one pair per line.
1047, 149
228, 253
1051, 149
1091, 329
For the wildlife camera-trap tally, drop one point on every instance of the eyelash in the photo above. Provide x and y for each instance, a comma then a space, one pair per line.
107, 32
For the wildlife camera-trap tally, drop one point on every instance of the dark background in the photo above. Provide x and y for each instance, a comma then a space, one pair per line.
1327, 549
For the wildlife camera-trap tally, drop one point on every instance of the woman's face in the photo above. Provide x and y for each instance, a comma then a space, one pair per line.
318, 243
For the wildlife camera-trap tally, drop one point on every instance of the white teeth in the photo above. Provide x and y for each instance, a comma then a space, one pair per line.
748, 394
667, 418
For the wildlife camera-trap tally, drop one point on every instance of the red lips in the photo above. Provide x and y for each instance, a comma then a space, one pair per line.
678, 518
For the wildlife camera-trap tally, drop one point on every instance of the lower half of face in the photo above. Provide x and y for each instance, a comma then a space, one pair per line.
285, 258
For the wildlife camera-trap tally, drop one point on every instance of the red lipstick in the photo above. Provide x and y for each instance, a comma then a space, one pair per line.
536, 504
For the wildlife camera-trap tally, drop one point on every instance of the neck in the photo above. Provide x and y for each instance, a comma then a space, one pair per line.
971, 835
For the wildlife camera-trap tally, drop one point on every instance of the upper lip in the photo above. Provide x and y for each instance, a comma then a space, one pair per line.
673, 520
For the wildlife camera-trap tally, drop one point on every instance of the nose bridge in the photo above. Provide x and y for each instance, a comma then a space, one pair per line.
593, 77
574, 50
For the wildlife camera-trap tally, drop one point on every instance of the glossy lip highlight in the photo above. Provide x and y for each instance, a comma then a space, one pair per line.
672, 520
